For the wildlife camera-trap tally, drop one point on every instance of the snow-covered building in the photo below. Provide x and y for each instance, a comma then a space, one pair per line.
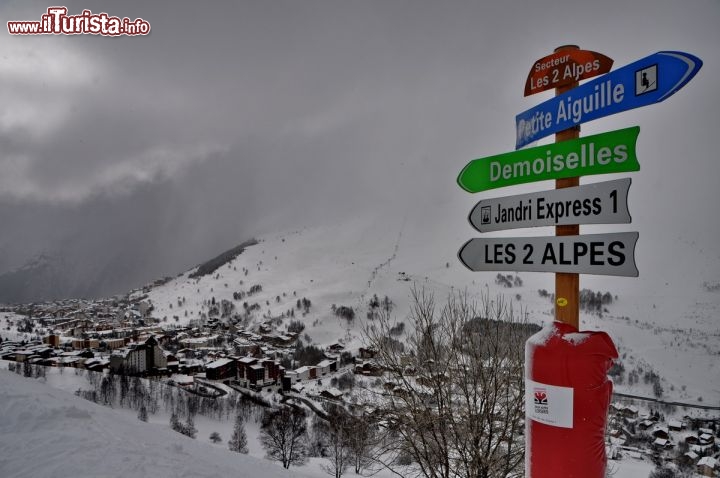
627, 411
368, 367
246, 347
138, 358
199, 342
660, 431
675, 425
325, 367
706, 439
221, 369
301, 373
96, 364
256, 373
689, 458
112, 344
331, 393
707, 465
86, 343
661, 443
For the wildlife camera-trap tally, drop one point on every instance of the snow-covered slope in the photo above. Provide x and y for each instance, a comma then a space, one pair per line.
665, 320
46, 432
50, 433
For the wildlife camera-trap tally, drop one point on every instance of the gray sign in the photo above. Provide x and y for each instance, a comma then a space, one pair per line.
598, 203
602, 254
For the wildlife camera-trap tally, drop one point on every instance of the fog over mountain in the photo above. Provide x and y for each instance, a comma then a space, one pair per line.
127, 159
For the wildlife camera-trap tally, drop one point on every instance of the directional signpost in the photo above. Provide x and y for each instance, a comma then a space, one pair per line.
599, 203
650, 80
568, 254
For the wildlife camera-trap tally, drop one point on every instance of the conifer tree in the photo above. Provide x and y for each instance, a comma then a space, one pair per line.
238, 442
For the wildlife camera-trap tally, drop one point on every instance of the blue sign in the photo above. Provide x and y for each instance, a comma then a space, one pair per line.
646, 81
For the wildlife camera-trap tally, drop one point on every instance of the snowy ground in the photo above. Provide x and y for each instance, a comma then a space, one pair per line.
45, 432
8, 329
49, 432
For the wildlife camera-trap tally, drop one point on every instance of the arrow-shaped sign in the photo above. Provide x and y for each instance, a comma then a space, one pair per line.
597, 203
611, 152
646, 81
602, 254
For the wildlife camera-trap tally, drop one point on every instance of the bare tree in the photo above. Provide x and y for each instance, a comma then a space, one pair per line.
284, 436
362, 443
338, 441
454, 404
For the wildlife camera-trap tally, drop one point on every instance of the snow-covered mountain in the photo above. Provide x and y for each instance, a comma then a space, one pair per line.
66, 274
41, 275
666, 321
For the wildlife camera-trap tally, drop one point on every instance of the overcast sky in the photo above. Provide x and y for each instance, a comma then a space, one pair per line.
233, 119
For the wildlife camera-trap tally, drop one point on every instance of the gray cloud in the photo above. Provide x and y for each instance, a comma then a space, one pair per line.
230, 120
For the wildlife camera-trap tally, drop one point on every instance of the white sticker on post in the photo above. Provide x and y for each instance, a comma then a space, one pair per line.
549, 404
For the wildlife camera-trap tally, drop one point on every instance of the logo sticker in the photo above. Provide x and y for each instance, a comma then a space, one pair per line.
549, 404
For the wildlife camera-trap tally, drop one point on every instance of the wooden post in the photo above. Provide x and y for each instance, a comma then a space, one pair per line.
567, 285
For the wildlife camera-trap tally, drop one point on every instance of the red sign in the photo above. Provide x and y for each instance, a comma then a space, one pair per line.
565, 67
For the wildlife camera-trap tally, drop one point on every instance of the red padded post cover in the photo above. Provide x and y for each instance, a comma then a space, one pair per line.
567, 399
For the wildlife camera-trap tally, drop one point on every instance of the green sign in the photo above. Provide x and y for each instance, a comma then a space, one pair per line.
612, 152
